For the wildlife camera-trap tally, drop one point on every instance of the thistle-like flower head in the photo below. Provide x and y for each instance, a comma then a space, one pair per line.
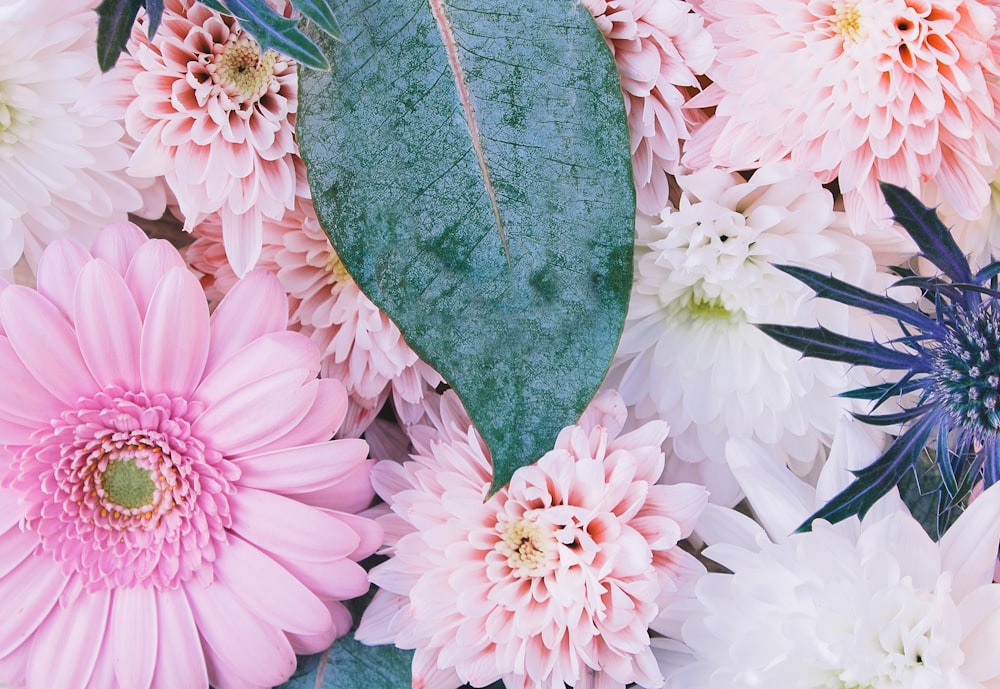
949, 356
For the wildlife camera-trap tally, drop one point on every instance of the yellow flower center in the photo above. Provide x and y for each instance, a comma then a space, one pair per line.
335, 267
241, 71
127, 485
847, 21
530, 548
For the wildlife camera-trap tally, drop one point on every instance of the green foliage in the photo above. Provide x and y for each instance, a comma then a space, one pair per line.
471, 166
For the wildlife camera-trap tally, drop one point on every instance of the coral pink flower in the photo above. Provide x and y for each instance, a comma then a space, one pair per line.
172, 511
360, 345
216, 118
900, 91
555, 578
660, 47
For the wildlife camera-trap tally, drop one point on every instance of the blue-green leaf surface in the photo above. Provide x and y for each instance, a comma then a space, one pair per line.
349, 664
114, 26
471, 165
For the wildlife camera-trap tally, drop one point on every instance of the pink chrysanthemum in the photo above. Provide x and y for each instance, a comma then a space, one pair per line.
660, 47
900, 91
360, 345
555, 578
62, 163
172, 511
216, 118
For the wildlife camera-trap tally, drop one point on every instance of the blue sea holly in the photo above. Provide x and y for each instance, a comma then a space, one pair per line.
948, 356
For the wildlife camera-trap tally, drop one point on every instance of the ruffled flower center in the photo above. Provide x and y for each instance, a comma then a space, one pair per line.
123, 494
847, 21
241, 71
530, 548
13, 123
966, 371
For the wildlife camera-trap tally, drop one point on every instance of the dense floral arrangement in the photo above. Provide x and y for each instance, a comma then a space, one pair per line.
620, 343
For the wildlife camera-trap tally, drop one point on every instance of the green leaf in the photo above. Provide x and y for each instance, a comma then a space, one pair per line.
349, 664
471, 165
320, 13
271, 30
114, 26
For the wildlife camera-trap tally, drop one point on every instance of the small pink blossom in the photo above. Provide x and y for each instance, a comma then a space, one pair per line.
555, 578
173, 512
660, 47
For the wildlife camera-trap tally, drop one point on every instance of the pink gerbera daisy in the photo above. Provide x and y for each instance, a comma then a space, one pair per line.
360, 345
172, 511
216, 117
555, 578
900, 91
660, 47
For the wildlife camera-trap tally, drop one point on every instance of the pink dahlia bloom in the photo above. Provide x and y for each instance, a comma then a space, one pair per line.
660, 47
862, 90
172, 511
555, 578
360, 345
216, 118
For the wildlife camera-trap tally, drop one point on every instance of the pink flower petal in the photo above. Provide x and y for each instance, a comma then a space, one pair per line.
83, 623
304, 468
181, 660
107, 326
150, 263
117, 243
275, 596
175, 335
257, 413
58, 268
45, 343
32, 404
287, 528
134, 629
258, 652
27, 595
257, 305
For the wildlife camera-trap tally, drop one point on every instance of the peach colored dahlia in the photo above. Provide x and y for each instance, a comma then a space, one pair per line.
172, 510
62, 165
900, 91
555, 578
660, 47
216, 118
360, 345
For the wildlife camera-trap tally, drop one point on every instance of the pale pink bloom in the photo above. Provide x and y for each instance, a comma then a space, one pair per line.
216, 118
660, 48
900, 91
360, 345
555, 578
62, 163
173, 512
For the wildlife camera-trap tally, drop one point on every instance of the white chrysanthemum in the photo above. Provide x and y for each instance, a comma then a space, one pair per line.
61, 162
689, 353
978, 238
872, 604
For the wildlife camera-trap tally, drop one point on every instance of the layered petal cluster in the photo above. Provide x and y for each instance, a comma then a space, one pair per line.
173, 512
899, 91
660, 48
216, 118
360, 345
690, 354
871, 603
62, 166
554, 579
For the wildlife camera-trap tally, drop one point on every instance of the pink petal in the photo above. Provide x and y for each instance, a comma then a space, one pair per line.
267, 588
27, 596
45, 343
319, 423
175, 335
117, 243
257, 413
82, 624
258, 652
107, 326
242, 235
151, 262
289, 529
304, 468
27, 402
255, 306
133, 636
269, 354
351, 494
181, 660
58, 268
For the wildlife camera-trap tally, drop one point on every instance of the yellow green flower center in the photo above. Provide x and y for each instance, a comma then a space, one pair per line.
847, 21
242, 72
335, 267
529, 547
128, 485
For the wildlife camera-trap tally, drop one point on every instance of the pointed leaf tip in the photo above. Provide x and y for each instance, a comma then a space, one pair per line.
114, 26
